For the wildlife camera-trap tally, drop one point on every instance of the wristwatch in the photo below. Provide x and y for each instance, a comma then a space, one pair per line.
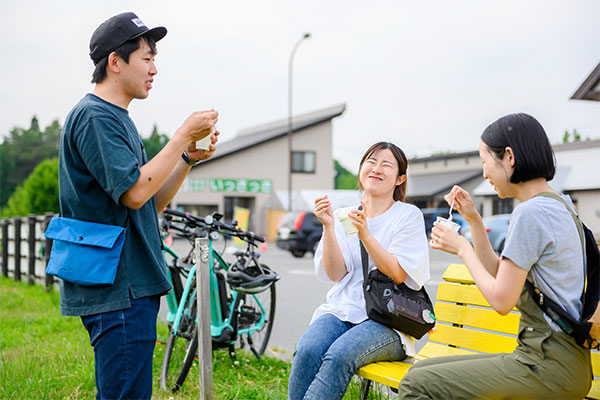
187, 160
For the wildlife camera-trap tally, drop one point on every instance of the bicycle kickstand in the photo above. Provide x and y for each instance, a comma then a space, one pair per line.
252, 349
232, 354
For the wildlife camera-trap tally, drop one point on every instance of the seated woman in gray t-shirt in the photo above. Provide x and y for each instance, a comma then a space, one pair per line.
542, 245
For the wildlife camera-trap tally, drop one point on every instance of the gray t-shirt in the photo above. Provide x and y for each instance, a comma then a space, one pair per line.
542, 238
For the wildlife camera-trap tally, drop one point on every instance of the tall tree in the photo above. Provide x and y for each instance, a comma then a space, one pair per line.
21, 150
38, 194
155, 142
344, 179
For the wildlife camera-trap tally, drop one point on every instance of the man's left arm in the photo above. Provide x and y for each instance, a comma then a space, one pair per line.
168, 190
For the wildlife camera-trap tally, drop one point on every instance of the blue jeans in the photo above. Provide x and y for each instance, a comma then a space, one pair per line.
330, 351
123, 344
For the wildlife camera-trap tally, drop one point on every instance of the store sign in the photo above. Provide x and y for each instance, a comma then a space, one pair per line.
230, 185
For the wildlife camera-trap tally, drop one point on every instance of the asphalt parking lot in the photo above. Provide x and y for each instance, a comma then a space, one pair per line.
299, 292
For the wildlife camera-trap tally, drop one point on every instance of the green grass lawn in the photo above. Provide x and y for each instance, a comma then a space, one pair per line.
44, 355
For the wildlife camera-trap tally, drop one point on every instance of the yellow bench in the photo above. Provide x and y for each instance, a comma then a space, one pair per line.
461, 328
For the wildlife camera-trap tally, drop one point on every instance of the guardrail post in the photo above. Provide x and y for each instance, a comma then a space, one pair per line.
49, 279
201, 257
5, 224
17, 222
31, 221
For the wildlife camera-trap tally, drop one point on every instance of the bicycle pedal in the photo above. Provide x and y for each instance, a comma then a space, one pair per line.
249, 315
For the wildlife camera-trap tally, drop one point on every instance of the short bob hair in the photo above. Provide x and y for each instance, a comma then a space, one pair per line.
400, 190
526, 137
123, 51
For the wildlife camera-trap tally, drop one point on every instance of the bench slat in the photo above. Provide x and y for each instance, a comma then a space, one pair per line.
385, 372
432, 349
477, 318
594, 392
465, 294
474, 340
458, 273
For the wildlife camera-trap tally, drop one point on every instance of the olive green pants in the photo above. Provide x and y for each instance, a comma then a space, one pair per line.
545, 365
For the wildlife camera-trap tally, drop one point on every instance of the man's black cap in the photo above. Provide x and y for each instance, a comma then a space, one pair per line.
117, 30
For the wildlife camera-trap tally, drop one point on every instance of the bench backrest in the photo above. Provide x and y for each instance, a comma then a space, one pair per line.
466, 323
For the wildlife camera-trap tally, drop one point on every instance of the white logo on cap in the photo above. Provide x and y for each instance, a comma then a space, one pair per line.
138, 22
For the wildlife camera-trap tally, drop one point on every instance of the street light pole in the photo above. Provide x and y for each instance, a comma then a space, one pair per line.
289, 132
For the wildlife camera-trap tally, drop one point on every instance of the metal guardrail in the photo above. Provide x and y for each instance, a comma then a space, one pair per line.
23, 240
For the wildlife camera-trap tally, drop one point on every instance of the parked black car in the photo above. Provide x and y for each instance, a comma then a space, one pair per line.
299, 233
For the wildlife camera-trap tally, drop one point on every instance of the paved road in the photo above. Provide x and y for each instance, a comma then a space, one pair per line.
299, 293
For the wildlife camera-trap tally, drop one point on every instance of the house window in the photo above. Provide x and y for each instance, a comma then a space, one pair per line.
303, 162
502, 206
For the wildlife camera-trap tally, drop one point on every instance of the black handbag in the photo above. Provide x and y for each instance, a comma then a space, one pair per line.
396, 306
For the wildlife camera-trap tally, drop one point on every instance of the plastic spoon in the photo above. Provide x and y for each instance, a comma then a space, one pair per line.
450, 212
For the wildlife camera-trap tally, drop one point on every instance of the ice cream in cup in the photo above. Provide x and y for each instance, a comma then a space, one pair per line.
347, 222
204, 143
452, 225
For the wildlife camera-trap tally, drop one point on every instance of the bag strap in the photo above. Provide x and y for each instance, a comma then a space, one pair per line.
537, 294
566, 322
578, 223
364, 256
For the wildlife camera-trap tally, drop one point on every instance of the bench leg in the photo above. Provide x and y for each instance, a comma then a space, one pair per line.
364, 391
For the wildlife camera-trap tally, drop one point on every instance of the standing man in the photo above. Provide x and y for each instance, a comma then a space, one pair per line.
105, 177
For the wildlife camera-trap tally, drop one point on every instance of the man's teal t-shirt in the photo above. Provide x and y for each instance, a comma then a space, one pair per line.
100, 158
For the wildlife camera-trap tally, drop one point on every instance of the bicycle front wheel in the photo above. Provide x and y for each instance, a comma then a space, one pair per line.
263, 303
175, 359
176, 350
190, 355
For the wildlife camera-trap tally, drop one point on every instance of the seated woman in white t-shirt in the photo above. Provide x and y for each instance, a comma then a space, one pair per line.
341, 338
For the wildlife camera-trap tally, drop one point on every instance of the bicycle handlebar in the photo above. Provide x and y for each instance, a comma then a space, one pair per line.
216, 225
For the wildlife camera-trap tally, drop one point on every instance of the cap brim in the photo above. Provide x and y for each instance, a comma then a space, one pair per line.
157, 33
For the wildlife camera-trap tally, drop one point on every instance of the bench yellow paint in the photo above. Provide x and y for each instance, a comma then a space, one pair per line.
466, 324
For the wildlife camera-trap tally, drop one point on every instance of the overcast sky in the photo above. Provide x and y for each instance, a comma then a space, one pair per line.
429, 76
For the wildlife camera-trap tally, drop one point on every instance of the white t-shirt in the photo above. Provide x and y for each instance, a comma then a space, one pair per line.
401, 231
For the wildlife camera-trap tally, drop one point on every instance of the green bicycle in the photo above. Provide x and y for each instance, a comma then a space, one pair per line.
242, 295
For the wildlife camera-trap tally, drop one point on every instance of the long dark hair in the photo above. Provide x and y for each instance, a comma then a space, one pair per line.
400, 190
526, 137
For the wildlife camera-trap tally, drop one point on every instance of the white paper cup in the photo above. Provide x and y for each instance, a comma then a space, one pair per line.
204, 143
452, 225
347, 222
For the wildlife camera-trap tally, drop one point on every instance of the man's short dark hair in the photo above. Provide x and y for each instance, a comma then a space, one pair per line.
123, 51
526, 137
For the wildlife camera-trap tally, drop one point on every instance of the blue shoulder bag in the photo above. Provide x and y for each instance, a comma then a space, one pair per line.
85, 253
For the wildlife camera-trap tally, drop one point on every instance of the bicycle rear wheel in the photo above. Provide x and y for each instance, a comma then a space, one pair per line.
252, 305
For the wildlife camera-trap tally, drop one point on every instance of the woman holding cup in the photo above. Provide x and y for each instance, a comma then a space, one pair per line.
543, 245
341, 338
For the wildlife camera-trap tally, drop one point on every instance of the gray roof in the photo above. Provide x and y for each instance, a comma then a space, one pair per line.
557, 147
576, 168
254, 136
446, 156
589, 89
432, 184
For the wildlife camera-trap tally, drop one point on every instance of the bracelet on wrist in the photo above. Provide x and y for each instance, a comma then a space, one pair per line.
187, 159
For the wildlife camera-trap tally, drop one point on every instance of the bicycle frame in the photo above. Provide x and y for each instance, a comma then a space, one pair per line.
218, 323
